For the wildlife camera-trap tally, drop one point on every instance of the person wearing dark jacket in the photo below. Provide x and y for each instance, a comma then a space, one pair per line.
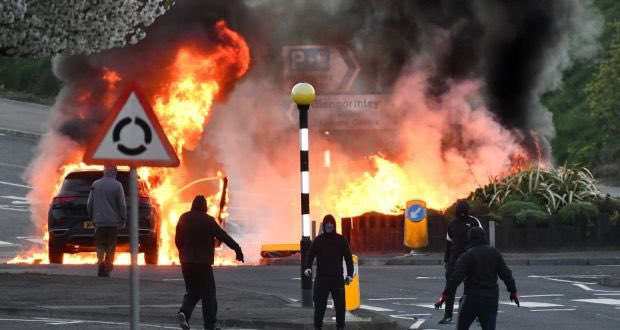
479, 267
456, 244
195, 237
330, 249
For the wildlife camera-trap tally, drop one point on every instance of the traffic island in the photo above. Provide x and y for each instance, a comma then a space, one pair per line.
107, 299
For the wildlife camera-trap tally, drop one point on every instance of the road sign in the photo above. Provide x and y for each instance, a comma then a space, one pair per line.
355, 111
328, 68
131, 135
416, 212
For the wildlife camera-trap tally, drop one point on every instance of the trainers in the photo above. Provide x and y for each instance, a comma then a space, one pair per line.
183, 321
445, 320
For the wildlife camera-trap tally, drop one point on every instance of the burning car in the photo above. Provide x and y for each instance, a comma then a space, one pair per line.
71, 231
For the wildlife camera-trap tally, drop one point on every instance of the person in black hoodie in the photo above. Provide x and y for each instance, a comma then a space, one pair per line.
456, 244
479, 267
195, 237
329, 248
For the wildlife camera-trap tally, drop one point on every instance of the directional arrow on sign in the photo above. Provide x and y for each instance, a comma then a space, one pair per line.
329, 69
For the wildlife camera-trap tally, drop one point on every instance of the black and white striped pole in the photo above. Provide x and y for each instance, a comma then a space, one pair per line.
303, 95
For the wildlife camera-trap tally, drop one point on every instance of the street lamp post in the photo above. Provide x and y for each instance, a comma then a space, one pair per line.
303, 95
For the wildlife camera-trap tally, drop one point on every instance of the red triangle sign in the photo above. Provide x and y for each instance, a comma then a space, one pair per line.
131, 135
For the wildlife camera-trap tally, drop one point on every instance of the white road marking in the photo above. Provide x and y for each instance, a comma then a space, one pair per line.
417, 324
296, 279
11, 165
9, 208
382, 299
428, 277
36, 240
553, 310
543, 295
376, 309
531, 304
602, 301
587, 288
15, 184
559, 280
3, 243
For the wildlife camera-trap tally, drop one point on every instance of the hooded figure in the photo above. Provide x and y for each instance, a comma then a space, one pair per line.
456, 244
195, 237
479, 267
329, 248
107, 209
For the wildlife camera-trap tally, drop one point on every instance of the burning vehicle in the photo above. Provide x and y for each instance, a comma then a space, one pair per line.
71, 231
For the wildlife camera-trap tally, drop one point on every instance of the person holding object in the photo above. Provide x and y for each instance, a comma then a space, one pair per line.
329, 248
107, 210
479, 267
456, 244
195, 237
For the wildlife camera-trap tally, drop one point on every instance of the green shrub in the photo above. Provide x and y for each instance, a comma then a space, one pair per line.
537, 216
579, 210
511, 209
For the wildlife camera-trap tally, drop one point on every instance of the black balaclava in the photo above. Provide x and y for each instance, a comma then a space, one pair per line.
476, 236
462, 209
199, 204
329, 219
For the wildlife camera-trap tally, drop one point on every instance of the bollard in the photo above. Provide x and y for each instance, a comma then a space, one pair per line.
416, 227
352, 291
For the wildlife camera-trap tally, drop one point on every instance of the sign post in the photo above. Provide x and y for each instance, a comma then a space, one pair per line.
131, 135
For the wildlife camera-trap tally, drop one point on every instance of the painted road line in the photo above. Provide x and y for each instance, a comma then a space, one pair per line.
11, 165
587, 288
531, 304
429, 277
15, 184
384, 299
36, 240
9, 208
3, 243
417, 324
553, 310
543, 295
602, 301
375, 309
560, 280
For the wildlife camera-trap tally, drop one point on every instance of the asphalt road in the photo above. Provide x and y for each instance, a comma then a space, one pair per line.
15, 225
559, 297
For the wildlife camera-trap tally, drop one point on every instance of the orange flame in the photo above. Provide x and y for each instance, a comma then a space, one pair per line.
183, 106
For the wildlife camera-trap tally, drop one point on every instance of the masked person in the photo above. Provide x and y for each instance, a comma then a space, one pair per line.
107, 209
456, 244
479, 267
329, 248
195, 237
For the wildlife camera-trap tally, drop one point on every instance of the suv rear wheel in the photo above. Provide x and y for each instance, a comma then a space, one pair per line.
55, 253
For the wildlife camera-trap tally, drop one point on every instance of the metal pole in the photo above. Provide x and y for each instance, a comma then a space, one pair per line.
492, 233
134, 283
304, 244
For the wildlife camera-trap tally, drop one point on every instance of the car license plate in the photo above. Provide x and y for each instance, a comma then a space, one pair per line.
89, 225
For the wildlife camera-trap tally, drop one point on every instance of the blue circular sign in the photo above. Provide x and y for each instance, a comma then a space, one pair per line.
416, 212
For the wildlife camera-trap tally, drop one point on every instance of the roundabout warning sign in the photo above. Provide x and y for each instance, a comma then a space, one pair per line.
131, 135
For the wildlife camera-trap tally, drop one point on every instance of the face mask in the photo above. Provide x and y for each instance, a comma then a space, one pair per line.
329, 228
